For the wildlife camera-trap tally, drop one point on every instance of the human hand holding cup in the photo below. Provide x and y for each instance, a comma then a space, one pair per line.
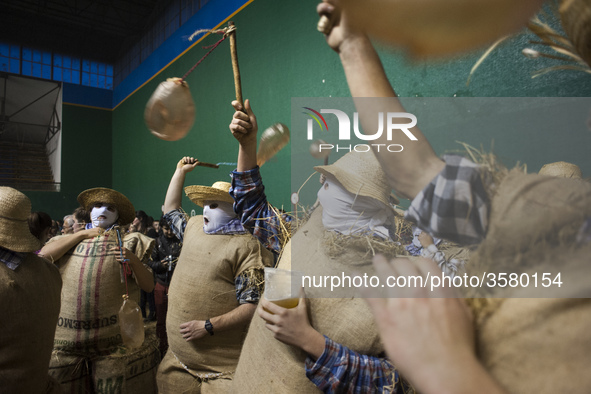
282, 287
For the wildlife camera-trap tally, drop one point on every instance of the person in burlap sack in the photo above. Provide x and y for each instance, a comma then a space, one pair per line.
300, 353
30, 293
89, 355
214, 291
524, 223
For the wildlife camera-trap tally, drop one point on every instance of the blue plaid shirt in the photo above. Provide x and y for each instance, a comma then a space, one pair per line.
246, 289
341, 370
10, 258
257, 215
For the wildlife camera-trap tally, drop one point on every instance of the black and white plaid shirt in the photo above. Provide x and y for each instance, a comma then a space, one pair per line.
455, 205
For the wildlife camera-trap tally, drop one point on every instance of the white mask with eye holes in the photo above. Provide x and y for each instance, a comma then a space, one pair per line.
103, 217
216, 214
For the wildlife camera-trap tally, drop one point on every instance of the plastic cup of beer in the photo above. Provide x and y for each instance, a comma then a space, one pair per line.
282, 287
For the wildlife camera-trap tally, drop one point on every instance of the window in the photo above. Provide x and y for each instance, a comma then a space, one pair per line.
54, 66
10, 58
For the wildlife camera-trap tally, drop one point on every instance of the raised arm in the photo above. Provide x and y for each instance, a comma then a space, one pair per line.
248, 191
56, 248
174, 193
244, 128
408, 171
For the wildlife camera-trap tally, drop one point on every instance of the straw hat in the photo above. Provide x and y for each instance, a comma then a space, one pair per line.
219, 191
15, 209
562, 169
360, 173
108, 196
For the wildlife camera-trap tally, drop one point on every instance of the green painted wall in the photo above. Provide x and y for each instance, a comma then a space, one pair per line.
87, 160
281, 56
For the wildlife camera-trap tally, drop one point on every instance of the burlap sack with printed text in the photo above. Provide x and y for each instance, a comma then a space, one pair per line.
92, 292
122, 371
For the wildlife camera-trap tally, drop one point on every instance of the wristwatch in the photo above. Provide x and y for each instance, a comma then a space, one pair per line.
209, 327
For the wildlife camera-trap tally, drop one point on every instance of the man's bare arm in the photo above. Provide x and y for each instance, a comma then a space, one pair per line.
412, 169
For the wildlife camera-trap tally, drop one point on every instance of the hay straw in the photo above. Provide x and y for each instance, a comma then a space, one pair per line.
399, 384
284, 229
484, 56
550, 38
338, 244
254, 276
493, 170
482, 308
558, 43
402, 227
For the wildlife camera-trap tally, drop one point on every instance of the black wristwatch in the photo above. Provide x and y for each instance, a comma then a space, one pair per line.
209, 327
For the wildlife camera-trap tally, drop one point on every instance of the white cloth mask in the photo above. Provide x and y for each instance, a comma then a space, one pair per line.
103, 217
216, 214
347, 214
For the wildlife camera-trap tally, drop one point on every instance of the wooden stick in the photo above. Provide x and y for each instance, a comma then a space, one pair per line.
203, 164
210, 165
234, 53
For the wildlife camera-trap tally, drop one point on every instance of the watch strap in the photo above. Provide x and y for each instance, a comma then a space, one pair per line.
209, 327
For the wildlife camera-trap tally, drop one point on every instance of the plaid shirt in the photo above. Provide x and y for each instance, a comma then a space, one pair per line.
10, 258
246, 289
455, 205
258, 216
340, 370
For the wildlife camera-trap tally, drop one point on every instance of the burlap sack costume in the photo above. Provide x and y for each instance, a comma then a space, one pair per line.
269, 366
88, 349
203, 287
29, 302
30, 305
537, 345
91, 297
121, 371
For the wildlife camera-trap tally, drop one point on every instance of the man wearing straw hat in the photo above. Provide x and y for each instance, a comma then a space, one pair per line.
283, 351
30, 293
528, 223
99, 265
214, 291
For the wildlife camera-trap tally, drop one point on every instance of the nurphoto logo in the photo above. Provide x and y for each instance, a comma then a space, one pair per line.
392, 121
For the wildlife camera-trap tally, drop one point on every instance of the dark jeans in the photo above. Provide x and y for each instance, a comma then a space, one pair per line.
161, 297
149, 298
